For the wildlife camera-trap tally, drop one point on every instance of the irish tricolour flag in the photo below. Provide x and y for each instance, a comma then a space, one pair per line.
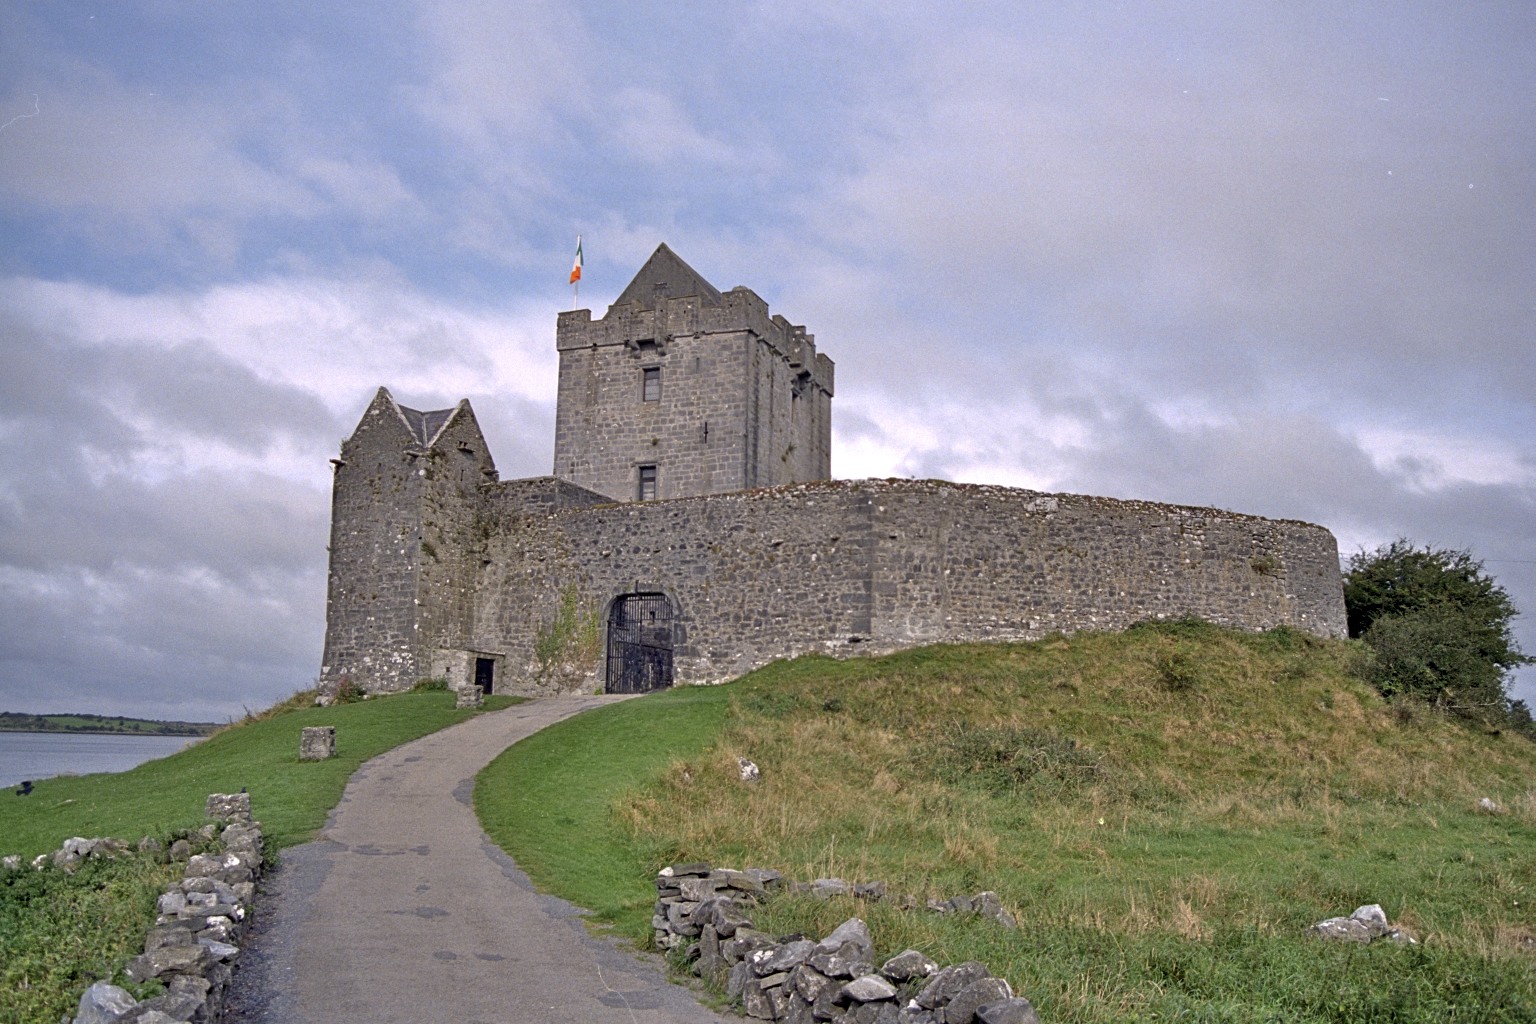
576, 266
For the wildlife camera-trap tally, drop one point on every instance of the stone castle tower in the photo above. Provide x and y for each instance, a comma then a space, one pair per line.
681, 390
691, 532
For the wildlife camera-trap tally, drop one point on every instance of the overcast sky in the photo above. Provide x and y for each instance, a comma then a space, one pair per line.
1272, 257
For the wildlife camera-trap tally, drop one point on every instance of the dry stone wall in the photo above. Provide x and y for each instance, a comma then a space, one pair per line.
200, 919
706, 914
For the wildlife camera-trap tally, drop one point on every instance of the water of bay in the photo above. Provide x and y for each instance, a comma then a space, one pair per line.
42, 755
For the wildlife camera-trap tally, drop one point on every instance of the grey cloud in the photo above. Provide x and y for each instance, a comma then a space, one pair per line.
129, 581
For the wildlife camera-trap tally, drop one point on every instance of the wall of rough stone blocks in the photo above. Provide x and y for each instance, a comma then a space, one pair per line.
844, 567
993, 562
744, 398
406, 545
370, 636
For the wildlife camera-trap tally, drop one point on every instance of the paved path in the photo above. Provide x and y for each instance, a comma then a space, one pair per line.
405, 911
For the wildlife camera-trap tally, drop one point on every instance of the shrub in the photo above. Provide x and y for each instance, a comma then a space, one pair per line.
1438, 627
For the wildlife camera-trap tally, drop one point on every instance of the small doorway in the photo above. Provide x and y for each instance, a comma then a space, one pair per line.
639, 644
485, 674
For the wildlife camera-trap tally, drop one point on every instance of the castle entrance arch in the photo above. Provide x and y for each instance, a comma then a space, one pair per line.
639, 644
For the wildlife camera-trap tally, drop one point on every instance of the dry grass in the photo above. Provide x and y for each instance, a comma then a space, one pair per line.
1248, 792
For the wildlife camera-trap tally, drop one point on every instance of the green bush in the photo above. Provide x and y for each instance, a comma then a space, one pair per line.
1438, 628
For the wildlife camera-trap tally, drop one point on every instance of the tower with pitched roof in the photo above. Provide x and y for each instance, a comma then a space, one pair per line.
680, 390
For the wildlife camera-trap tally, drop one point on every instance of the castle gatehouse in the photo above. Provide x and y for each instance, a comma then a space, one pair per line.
690, 530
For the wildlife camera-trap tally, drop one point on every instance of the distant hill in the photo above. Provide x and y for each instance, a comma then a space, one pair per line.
12, 721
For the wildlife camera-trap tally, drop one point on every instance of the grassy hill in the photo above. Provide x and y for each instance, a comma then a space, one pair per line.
1165, 810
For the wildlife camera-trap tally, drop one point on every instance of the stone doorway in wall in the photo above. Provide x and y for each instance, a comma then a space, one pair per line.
485, 674
639, 644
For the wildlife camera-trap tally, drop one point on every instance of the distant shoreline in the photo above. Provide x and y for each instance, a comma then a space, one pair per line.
102, 725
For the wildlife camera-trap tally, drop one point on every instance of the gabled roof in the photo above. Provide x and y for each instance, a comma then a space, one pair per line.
425, 425
665, 275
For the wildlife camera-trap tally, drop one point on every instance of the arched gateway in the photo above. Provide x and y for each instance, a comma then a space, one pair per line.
639, 644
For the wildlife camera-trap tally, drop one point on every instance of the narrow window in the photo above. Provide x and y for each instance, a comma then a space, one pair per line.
647, 490
650, 384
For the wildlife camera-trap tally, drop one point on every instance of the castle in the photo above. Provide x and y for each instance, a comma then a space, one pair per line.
691, 531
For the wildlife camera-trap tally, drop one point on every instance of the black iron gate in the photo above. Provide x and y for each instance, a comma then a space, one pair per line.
640, 644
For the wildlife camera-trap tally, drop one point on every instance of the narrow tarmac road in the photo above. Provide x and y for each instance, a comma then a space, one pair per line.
404, 911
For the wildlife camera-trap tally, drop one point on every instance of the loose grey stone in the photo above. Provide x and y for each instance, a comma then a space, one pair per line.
219, 950
766, 877
736, 981
1017, 1010
177, 1006
849, 939
947, 983
811, 983
739, 880
835, 965
171, 903
868, 988
787, 957
1342, 929
167, 960
695, 870
961, 1009
103, 1003
156, 1017
711, 964
174, 933
755, 1001
699, 889
907, 965
989, 904
797, 1010
1373, 917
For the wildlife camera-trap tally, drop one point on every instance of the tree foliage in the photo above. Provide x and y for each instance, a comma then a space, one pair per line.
1439, 629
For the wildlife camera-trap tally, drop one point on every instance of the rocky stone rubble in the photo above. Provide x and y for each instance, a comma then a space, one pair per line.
195, 939
705, 913
1365, 925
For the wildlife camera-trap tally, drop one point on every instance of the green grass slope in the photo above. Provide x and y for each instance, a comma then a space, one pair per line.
1165, 810
59, 933
290, 797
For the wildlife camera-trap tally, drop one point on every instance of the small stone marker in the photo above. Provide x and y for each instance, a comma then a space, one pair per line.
470, 697
229, 806
318, 743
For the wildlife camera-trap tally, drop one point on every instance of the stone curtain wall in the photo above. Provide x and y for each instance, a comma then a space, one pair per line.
845, 567
970, 562
753, 575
